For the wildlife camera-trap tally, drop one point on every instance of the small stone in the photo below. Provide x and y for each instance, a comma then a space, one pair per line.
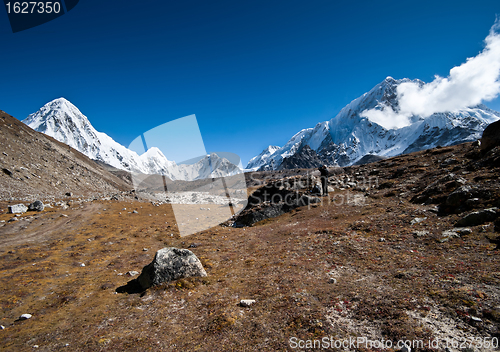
13, 219
476, 319
17, 209
381, 239
36, 205
135, 212
25, 316
68, 194
2, 327
82, 264
144, 249
64, 216
450, 233
421, 233
247, 302
132, 273
462, 230
417, 220
332, 280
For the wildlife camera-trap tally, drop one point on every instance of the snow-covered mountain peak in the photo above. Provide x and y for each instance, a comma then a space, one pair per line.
63, 121
354, 133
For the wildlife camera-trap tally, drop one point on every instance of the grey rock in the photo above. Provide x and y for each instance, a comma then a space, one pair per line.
135, 212
25, 316
132, 273
417, 220
247, 302
170, 264
421, 233
446, 235
478, 217
36, 205
17, 209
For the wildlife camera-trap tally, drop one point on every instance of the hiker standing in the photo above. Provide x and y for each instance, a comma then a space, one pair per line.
324, 179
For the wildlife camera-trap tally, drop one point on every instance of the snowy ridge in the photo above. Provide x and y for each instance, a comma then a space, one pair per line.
350, 135
63, 121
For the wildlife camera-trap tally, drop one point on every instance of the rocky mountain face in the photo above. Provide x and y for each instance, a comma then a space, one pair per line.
36, 166
349, 136
63, 121
305, 158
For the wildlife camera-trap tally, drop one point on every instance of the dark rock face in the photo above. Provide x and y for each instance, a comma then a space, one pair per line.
306, 158
277, 198
459, 196
491, 136
36, 205
478, 217
170, 264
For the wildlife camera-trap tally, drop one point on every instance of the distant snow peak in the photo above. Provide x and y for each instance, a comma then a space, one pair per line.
376, 124
471, 83
63, 121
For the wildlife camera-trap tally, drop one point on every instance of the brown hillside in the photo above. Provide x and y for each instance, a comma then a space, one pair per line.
36, 166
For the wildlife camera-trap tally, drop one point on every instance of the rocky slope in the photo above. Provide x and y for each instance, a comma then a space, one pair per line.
350, 135
380, 258
37, 166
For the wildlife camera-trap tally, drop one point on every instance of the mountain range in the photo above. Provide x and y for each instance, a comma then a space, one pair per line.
63, 121
350, 135
348, 138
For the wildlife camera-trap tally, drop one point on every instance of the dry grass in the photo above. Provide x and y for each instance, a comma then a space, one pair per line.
384, 289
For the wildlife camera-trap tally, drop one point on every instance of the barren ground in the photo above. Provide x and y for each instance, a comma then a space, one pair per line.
391, 282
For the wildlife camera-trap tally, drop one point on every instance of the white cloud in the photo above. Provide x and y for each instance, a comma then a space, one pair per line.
469, 84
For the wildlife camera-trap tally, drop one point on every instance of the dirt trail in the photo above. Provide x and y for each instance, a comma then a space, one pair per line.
52, 223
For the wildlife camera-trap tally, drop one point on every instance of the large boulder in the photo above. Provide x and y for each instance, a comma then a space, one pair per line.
17, 209
36, 205
170, 264
478, 217
491, 136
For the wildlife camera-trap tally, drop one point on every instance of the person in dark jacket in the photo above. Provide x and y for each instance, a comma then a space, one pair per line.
324, 179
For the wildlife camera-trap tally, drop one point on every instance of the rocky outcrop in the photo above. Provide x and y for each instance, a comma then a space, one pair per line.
305, 158
170, 264
491, 136
478, 217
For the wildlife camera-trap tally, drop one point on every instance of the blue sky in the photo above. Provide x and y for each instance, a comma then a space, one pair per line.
253, 72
